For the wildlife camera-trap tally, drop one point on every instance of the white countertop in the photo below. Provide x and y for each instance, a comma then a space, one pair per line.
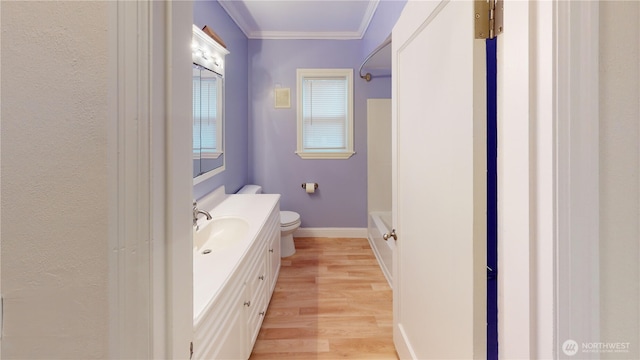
212, 271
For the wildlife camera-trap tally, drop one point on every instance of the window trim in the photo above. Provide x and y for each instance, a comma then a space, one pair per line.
301, 74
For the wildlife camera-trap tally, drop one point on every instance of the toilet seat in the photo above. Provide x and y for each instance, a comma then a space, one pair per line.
288, 218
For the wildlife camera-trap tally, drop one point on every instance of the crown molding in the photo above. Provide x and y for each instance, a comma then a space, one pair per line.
368, 16
243, 19
240, 16
308, 35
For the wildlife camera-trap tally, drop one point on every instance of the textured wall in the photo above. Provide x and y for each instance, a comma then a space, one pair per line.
620, 175
54, 179
236, 102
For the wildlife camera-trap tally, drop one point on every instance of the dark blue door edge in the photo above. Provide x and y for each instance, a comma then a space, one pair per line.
492, 202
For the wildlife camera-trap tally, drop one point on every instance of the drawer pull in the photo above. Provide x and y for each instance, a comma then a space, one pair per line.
270, 250
261, 313
261, 277
247, 303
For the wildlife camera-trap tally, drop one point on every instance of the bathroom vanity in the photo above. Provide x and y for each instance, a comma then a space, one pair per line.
236, 264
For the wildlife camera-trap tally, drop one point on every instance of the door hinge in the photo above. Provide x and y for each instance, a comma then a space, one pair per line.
488, 18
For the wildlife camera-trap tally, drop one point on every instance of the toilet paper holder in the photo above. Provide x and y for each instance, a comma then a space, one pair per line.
315, 186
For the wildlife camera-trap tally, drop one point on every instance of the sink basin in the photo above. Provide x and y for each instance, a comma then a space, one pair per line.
220, 233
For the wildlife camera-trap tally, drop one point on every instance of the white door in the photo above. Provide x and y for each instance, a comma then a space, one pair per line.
439, 192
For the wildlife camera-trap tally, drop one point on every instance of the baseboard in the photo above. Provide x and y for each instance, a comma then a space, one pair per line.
331, 232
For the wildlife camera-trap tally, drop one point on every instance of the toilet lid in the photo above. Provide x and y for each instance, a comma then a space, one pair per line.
288, 217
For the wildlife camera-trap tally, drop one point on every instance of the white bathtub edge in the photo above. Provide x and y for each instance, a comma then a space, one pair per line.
385, 270
383, 250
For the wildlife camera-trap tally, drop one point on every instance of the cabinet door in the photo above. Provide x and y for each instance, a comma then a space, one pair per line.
255, 315
256, 299
227, 339
274, 261
232, 344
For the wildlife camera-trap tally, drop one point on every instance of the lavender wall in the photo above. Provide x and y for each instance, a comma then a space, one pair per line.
341, 200
260, 140
236, 102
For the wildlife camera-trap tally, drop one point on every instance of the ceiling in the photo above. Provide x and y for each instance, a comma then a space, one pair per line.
301, 19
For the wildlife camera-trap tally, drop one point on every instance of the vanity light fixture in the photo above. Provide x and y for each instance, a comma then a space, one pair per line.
207, 52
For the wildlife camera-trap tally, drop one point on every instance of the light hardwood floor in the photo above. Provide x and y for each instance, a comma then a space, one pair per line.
331, 302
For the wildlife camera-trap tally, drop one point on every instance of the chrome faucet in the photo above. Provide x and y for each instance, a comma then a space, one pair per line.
197, 211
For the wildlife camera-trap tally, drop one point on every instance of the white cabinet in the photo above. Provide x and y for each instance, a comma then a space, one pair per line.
255, 301
230, 344
232, 323
273, 253
221, 334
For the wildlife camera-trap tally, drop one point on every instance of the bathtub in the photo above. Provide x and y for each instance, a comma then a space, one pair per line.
380, 223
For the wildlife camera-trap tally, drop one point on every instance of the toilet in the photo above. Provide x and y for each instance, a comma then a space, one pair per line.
289, 222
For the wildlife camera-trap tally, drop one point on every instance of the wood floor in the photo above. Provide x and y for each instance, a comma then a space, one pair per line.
331, 302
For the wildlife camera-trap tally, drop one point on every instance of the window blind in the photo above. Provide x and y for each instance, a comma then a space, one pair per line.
209, 109
205, 114
196, 112
324, 112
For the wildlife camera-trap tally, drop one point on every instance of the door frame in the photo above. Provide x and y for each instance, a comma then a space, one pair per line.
150, 179
514, 144
536, 103
577, 178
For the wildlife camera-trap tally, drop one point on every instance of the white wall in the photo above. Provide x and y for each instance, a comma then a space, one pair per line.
379, 155
54, 179
620, 175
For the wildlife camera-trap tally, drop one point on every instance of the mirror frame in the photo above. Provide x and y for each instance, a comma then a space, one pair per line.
208, 53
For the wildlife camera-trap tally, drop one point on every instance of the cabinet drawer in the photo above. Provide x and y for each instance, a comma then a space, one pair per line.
273, 265
256, 313
256, 305
258, 277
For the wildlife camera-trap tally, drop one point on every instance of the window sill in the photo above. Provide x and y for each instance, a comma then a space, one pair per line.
326, 155
210, 155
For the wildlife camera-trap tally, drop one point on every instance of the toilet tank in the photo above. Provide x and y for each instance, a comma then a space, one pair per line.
250, 189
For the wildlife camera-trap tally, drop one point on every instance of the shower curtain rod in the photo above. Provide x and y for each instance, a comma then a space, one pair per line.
368, 76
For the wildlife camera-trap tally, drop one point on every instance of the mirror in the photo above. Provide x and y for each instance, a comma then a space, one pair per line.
207, 121
208, 105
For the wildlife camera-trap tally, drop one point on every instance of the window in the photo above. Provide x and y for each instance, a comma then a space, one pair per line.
207, 132
325, 113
